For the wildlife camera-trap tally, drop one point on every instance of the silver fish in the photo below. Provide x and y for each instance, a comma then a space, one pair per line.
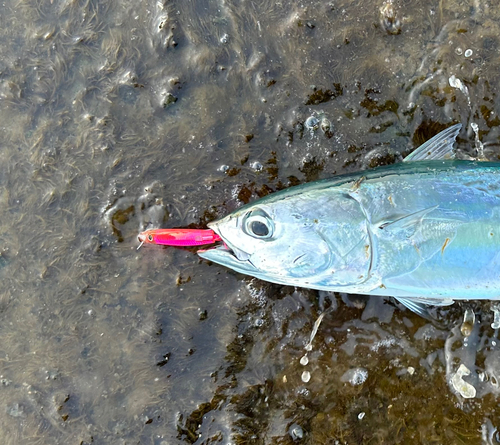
425, 231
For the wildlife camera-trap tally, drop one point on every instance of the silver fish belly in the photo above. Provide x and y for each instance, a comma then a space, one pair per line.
424, 231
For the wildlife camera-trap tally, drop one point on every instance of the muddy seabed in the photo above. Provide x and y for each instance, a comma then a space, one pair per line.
119, 114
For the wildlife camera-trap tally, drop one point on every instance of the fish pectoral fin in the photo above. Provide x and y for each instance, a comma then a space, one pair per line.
440, 147
403, 222
419, 305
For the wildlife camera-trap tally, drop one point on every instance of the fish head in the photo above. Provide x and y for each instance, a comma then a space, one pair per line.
292, 241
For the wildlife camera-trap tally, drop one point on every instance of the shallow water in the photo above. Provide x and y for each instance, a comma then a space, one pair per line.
116, 115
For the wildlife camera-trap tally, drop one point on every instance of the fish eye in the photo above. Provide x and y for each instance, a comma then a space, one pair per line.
259, 225
259, 228
150, 237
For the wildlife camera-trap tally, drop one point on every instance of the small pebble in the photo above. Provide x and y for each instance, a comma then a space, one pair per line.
168, 100
389, 20
325, 125
468, 53
202, 314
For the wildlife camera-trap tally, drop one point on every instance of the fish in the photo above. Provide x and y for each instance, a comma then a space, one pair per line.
425, 231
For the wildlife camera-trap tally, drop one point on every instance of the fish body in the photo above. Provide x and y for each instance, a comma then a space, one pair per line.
423, 231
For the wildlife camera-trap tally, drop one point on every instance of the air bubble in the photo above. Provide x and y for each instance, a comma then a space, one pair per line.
355, 377
257, 166
312, 123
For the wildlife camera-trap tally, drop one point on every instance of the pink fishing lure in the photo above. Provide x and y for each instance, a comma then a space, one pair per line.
179, 237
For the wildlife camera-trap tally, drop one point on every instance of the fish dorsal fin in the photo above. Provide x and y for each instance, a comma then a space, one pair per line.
440, 147
406, 221
419, 304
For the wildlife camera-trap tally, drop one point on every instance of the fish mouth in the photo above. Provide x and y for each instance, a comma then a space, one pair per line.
226, 254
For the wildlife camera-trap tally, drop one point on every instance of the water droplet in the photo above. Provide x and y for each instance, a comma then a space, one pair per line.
306, 376
314, 331
259, 322
468, 324
478, 144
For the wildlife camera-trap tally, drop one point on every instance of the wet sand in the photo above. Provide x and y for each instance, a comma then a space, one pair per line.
117, 116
